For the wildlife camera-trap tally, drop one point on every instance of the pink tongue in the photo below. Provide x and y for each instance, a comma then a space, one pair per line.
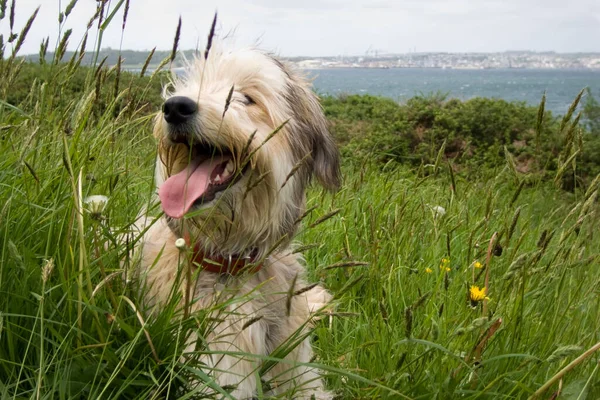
180, 191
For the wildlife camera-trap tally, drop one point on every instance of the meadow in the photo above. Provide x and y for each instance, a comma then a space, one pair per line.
462, 264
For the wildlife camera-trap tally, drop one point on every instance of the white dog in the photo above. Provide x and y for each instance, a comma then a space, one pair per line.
240, 137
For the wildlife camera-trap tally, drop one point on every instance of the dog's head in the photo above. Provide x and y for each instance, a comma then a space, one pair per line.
240, 136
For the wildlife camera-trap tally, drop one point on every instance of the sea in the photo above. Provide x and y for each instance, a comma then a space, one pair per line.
525, 85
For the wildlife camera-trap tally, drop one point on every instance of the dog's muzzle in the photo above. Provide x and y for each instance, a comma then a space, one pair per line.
179, 110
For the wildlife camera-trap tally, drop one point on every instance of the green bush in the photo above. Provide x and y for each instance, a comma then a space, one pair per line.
477, 134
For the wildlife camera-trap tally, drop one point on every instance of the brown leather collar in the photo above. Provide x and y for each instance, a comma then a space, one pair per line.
232, 265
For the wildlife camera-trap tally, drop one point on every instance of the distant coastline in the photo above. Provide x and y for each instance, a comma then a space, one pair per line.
474, 68
132, 59
469, 61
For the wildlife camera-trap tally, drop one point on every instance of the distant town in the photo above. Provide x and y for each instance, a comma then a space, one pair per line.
529, 60
132, 59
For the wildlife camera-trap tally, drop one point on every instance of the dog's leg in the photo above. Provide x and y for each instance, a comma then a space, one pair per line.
234, 332
292, 378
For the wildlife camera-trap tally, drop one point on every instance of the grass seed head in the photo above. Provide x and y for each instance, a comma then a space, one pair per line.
70, 7
176, 41
147, 62
408, 316
24, 32
117, 77
82, 48
228, 100
125, 14
96, 15
12, 15
62, 46
100, 12
564, 352
211, 35
47, 269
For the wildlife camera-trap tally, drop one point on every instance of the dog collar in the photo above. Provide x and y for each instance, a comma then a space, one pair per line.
232, 265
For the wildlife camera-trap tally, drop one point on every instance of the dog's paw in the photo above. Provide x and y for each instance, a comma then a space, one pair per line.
318, 299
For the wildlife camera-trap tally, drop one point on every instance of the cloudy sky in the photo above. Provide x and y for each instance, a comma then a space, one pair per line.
335, 27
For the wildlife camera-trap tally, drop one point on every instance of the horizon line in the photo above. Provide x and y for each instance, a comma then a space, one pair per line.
380, 55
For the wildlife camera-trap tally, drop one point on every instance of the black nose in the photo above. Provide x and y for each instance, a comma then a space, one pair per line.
179, 109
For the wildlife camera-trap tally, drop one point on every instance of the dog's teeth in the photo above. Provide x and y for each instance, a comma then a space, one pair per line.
229, 168
217, 179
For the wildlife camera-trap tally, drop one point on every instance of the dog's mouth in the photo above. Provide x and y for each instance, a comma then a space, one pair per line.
208, 172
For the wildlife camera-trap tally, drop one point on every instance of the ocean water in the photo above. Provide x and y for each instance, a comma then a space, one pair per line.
561, 86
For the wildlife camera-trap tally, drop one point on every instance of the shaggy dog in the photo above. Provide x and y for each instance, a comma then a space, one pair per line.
240, 136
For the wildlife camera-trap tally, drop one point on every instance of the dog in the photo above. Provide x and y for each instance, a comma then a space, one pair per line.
240, 136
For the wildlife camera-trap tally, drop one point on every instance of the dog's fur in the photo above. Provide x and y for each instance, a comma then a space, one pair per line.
256, 215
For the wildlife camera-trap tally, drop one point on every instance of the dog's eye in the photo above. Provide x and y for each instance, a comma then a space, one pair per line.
248, 100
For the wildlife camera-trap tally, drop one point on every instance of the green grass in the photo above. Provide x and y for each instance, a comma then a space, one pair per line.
73, 324
416, 331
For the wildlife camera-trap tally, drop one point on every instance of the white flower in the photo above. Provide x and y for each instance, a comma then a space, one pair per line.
180, 243
438, 211
95, 205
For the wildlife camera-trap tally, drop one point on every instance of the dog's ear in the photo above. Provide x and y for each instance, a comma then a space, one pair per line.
314, 137
325, 154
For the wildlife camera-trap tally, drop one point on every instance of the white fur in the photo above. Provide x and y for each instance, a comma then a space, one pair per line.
262, 218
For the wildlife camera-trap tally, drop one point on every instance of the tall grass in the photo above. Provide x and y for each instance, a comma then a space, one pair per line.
400, 250
407, 319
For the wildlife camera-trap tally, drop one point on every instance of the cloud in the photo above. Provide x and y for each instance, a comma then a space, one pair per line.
335, 27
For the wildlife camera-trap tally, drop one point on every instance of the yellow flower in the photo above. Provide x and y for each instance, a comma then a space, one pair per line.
477, 265
476, 294
445, 264
428, 270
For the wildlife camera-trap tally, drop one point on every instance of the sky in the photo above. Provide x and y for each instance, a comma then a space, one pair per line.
331, 27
